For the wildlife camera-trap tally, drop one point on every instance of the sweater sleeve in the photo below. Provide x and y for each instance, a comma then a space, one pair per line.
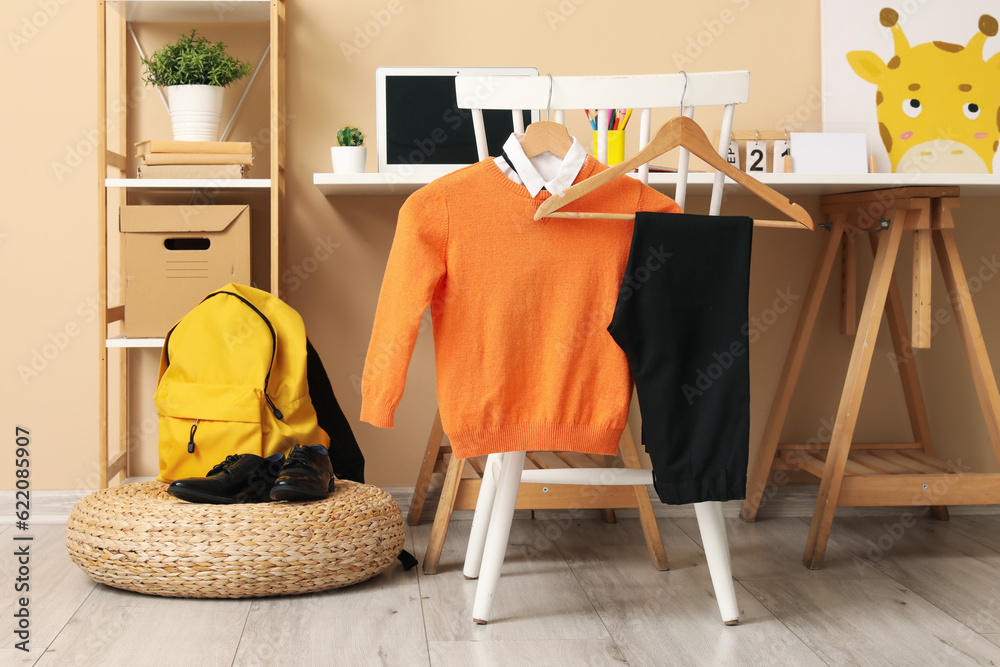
416, 266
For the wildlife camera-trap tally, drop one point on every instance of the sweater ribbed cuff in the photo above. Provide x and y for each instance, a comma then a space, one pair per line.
536, 437
377, 411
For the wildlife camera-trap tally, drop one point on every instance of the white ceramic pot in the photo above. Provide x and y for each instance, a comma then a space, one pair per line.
195, 112
348, 159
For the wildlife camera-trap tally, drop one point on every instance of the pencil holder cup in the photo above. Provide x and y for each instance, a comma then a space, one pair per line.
616, 146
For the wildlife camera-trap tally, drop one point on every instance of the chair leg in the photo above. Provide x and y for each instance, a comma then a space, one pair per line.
497, 535
443, 516
650, 529
426, 470
481, 519
722, 524
713, 538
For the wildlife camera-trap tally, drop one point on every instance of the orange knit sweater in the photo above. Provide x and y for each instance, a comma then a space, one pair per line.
520, 312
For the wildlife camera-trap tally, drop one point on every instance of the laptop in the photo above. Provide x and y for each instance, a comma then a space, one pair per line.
421, 129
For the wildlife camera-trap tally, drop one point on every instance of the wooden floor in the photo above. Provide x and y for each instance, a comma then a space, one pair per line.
573, 592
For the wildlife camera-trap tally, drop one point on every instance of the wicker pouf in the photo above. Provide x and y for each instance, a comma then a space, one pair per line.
140, 538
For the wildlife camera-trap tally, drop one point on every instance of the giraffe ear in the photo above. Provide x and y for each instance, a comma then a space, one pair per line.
994, 62
867, 65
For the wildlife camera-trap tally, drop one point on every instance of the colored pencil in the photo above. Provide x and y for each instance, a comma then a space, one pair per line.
628, 114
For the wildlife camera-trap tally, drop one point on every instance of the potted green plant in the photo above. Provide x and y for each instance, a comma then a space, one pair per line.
350, 154
195, 73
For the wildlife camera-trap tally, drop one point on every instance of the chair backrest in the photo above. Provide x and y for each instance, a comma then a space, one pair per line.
643, 93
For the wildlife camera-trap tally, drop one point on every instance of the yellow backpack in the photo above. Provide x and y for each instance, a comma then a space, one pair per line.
233, 380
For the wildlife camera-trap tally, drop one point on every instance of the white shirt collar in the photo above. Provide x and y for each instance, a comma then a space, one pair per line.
547, 170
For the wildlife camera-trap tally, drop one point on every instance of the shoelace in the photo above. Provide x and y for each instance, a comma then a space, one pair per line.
229, 460
298, 456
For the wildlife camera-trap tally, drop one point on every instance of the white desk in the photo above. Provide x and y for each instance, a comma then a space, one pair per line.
790, 185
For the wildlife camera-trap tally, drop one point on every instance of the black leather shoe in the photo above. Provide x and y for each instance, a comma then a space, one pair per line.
307, 475
241, 478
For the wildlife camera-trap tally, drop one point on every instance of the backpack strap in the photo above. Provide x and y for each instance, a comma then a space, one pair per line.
407, 560
345, 455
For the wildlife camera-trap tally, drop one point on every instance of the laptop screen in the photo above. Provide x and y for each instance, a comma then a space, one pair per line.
424, 128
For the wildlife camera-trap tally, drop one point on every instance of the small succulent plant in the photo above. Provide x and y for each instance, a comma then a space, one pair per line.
350, 136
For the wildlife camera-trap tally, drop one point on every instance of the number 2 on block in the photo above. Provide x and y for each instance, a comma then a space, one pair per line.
756, 156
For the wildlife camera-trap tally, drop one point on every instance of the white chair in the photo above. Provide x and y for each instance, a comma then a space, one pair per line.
504, 473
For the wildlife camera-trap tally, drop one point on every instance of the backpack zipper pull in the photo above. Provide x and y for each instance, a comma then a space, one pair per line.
194, 427
274, 409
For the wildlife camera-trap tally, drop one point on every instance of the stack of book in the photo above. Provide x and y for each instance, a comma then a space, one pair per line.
164, 158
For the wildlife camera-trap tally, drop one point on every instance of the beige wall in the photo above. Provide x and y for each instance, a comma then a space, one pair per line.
48, 241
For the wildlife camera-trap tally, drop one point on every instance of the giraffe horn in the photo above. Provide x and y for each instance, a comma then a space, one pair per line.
889, 18
987, 28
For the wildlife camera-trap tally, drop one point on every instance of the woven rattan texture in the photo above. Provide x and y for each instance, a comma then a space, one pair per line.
139, 538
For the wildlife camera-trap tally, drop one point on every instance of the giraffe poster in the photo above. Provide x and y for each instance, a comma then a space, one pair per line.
920, 77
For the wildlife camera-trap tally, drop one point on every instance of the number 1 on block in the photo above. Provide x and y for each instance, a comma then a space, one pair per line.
780, 152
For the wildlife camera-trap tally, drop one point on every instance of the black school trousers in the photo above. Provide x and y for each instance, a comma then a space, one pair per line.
681, 319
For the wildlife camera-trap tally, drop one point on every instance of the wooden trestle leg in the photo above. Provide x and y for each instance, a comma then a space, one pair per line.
760, 467
850, 400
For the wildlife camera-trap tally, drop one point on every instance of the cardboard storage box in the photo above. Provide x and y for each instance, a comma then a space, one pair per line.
177, 255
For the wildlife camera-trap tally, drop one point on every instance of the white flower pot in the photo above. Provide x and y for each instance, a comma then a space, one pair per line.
348, 159
195, 112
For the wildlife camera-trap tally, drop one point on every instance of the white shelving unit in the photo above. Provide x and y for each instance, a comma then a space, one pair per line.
125, 341
188, 183
113, 185
193, 11
973, 185
371, 184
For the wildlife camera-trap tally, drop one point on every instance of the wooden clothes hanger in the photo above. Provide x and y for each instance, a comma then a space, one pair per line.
544, 135
676, 132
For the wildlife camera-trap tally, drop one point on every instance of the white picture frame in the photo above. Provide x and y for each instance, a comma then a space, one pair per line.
849, 101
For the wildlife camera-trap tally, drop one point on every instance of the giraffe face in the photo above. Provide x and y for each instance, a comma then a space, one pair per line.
938, 104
